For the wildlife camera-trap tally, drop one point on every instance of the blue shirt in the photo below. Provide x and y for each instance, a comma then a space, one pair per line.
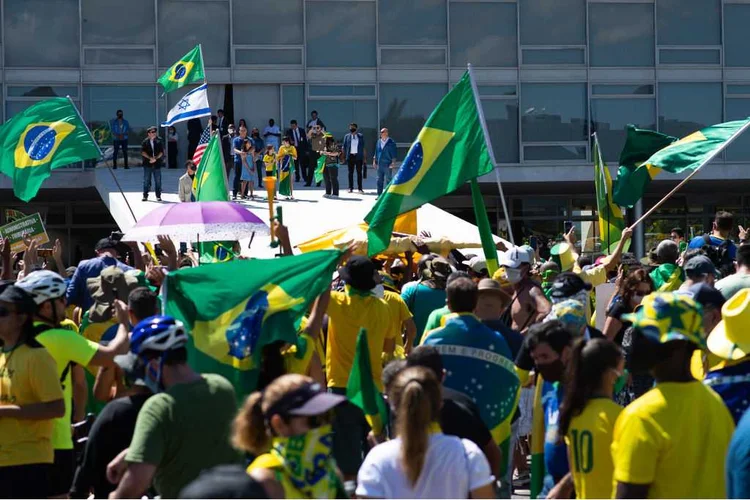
120, 128
732, 383
259, 146
478, 363
237, 144
737, 465
347, 146
385, 155
555, 452
422, 300
698, 242
78, 292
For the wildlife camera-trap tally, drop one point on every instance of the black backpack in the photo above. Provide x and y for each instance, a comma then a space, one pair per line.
719, 255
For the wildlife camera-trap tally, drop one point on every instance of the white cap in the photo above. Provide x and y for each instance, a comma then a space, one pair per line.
515, 257
476, 263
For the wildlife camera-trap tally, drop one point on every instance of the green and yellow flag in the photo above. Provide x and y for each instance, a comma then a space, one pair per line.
286, 175
234, 309
611, 220
483, 223
319, 169
361, 390
449, 151
50, 134
189, 69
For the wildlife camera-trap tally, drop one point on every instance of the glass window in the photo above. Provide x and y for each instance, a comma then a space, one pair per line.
738, 89
405, 107
118, 56
43, 91
41, 33
483, 34
12, 108
688, 56
293, 104
738, 109
541, 22
337, 116
554, 112
260, 22
553, 56
138, 103
341, 34
611, 116
416, 22
689, 22
687, 107
635, 89
133, 25
183, 25
557, 152
502, 121
496, 90
342, 90
412, 56
621, 34
736, 42
268, 56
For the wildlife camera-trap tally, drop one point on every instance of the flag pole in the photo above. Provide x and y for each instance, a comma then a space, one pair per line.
101, 155
710, 157
491, 152
203, 62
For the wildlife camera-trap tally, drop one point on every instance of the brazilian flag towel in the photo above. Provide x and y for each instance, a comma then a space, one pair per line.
234, 309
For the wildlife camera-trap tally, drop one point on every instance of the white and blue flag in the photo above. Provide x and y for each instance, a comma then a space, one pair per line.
193, 105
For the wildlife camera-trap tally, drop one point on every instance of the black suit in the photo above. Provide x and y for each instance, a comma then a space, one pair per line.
222, 123
152, 169
299, 140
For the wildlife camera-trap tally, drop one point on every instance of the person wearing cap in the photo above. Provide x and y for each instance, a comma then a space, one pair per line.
477, 266
152, 151
287, 428
668, 276
732, 284
491, 303
384, 160
30, 400
348, 311
671, 442
548, 272
107, 254
427, 294
699, 269
528, 304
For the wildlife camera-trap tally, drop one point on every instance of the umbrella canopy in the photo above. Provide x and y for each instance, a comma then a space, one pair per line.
198, 221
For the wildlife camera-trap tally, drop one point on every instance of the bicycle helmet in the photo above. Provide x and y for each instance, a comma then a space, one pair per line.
157, 333
43, 286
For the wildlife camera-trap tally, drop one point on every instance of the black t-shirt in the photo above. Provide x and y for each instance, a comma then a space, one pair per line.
110, 434
616, 309
460, 417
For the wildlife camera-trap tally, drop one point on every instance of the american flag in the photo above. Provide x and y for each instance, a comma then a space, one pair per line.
205, 137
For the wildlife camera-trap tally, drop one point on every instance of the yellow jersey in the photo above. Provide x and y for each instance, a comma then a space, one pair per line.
675, 439
589, 441
270, 163
401, 313
297, 357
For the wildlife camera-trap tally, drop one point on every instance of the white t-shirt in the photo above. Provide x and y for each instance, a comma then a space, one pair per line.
355, 144
453, 467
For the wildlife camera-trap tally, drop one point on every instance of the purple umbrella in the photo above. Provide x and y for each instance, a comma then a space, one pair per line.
198, 221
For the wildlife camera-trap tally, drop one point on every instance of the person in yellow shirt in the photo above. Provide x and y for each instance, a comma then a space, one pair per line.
588, 415
269, 162
404, 318
672, 441
30, 399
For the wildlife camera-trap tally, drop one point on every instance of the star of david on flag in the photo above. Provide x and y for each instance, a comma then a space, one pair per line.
193, 105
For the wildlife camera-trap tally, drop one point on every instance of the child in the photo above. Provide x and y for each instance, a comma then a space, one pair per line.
286, 157
269, 161
248, 170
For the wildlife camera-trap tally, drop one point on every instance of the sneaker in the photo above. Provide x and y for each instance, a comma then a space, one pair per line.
145, 198
361, 192
351, 190
234, 197
158, 198
326, 195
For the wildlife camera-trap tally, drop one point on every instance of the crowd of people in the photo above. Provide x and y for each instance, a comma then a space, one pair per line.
491, 382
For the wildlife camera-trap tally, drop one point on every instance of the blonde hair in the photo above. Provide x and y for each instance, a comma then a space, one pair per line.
416, 395
249, 432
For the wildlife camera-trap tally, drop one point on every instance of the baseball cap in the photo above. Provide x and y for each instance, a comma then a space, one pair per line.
476, 263
132, 367
107, 242
515, 257
730, 339
664, 317
440, 268
571, 314
567, 285
699, 265
224, 481
706, 295
306, 401
358, 272
12, 294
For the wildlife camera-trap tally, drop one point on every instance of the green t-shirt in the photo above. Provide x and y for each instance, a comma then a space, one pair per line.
730, 285
185, 430
433, 320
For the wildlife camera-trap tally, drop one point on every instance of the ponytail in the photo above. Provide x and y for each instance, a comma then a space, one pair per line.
574, 400
249, 428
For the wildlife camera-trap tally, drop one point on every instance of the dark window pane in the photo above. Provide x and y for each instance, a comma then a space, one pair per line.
339, 114
553, 22
341, 34
138, 103
412, 56
621, 34
293, 104
342, 90
483, 34
268, 56
496, 90
689, 22
41, 33
738, 109
738, 89
413, 22
260, 22
685, 56
553, 56
550, 153
687, 107
736, 41
118, 56
44, 91
502, 122
405, 107
132, 25
611, 116
622, 89
183, 25
554, 112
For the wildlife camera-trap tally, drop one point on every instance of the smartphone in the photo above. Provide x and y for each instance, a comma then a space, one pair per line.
44, 252
183, 247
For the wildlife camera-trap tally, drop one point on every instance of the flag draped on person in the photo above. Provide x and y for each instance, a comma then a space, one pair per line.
449, 150
319, 169
611, 220
361, 390
483, 223
286, 170
49, 134
234, 309
189, 69
194, 104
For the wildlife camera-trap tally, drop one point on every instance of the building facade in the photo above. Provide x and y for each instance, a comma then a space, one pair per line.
550, 73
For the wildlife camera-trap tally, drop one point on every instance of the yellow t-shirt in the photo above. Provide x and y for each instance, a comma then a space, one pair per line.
675, 439
347, 313
28, 375
287, 151
270, 162
589, 441
66, 346
595, 276
401, 313
297, 357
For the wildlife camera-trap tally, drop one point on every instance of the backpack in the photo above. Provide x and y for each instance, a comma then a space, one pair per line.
719, 255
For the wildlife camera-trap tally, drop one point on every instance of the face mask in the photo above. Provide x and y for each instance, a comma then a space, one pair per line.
352, 130
553, 371
307, 460
153, 379
513, 275
379, 291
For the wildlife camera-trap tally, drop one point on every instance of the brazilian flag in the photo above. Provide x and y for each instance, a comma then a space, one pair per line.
449, 151
361, 389
319, 168
189, 69
50, 134
234, 309
286, 169
611, 220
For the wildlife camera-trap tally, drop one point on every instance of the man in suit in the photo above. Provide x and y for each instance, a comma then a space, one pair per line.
152, 151
298, 138
354, 152
222, 122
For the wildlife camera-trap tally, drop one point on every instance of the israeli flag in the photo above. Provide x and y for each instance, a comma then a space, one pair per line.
193, 105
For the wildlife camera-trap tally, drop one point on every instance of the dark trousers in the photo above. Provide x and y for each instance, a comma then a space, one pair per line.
303, 159
192, 146
331, 179
349, 434
172, 154
312, 164
261, 170
148, 172
25, 481
354, 162
120, 145
237, 178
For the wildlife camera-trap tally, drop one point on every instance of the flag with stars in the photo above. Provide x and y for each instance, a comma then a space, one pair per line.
194, 104
234, 309
189, 69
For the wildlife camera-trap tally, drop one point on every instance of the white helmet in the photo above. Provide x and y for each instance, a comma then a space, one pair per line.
43, 286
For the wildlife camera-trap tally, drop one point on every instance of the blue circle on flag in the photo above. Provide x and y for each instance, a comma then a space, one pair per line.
411, 165
179, 71
39, 141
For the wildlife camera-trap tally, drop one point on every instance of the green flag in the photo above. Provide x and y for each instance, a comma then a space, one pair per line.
319, 169
50, 134
361, 390
189, 69
236, 308
286, 175
483, 223
210, 184
611, 220
449, 151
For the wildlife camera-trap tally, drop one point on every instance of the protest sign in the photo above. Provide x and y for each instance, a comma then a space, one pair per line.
604, 293
30, 226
